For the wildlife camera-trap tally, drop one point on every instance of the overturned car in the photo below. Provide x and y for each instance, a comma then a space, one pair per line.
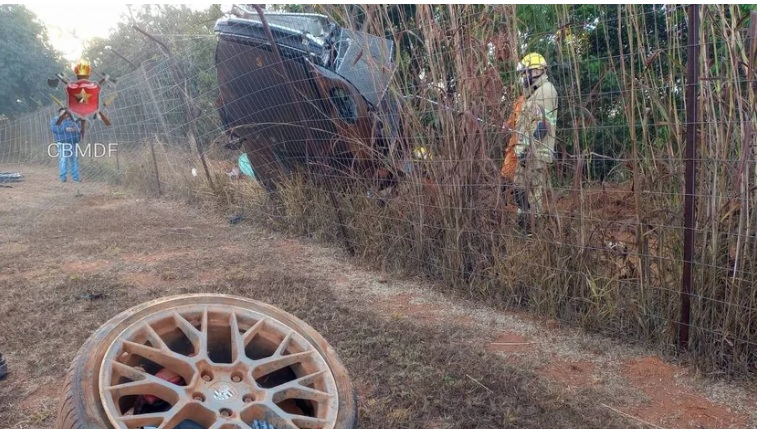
300, 92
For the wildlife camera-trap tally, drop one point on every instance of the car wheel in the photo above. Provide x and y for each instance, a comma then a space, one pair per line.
207, 361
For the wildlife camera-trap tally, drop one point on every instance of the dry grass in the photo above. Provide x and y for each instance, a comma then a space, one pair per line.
408, 374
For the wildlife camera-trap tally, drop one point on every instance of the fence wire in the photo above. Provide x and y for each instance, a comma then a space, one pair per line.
607, 253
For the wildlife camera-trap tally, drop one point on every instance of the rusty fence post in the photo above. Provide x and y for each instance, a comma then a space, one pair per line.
750, 152
689, 204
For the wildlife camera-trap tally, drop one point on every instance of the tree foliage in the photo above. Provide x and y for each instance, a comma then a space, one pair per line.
125, 48
27, 59
188, 34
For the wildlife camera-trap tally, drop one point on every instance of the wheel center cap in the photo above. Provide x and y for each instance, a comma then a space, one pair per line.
223, 392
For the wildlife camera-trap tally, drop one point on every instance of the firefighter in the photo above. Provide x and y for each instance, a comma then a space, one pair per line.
534, 144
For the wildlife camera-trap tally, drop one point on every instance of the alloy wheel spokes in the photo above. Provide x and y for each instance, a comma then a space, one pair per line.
151, 419
277, 362
298, 391
307, 422
179, 413
198, 337
176, 362
162, 420
240, 340
145, 383
219, 367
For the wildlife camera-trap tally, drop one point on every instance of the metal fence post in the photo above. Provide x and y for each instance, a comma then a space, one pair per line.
689, 204
155, 165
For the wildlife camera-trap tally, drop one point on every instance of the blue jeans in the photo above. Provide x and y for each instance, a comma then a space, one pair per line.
66, 156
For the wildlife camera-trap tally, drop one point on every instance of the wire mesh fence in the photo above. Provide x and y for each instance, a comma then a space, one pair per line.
384, 129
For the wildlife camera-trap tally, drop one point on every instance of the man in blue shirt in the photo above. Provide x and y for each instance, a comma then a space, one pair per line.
66, 135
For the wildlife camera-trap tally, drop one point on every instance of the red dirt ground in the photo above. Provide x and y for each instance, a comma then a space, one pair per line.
672, 405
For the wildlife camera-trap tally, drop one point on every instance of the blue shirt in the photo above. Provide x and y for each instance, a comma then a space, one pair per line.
61, 135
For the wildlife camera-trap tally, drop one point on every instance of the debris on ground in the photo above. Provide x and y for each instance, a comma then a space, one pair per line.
235, 219
6, 177
91, 296
234, 173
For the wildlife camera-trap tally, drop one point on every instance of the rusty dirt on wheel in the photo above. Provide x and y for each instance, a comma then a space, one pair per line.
207, 361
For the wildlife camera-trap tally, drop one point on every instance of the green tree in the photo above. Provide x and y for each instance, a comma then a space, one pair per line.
189, 35
27, 61
177, 26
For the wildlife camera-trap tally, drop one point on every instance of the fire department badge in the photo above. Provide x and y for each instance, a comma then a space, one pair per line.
83, 98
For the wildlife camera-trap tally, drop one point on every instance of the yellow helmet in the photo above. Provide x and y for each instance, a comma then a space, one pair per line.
82, 68
421, 152
532, 61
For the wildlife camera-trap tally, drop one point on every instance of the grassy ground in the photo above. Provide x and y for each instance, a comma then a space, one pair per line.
416, 360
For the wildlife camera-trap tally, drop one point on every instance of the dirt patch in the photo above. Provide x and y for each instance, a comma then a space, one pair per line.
36, 400
509, 342
10, 274
671, 405
78, 267
105, 201
650, 370
571, 374
145, 281
155, 257
401, 305
407, 305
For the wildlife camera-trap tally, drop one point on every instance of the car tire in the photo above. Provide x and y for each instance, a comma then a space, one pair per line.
93, 397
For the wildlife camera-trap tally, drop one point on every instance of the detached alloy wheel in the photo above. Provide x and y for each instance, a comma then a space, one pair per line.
207, 361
